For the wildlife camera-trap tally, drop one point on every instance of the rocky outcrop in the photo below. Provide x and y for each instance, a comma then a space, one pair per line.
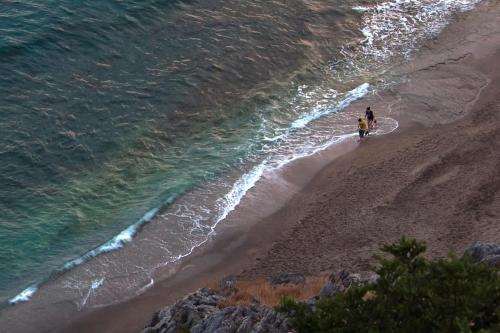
486, 253
202, 312
186, 313
199, 312
287, 278
337, 282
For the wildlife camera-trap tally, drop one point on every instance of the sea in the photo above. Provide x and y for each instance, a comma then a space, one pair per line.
115, 115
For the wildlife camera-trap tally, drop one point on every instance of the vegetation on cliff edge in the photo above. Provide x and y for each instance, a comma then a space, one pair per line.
412, 294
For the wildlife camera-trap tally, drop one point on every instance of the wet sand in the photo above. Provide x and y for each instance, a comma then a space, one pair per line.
436, 178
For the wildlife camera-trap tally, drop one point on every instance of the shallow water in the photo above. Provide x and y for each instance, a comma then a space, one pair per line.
113, 111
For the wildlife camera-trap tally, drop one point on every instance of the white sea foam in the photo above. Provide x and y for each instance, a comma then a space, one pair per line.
229, 202
146, 286
224, 205
308, 151
398, 27
382, 24
233, 197
24, 295
116, 242
390, 27
95, 284
321, 111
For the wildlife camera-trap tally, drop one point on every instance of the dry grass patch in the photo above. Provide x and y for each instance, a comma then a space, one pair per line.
262, 292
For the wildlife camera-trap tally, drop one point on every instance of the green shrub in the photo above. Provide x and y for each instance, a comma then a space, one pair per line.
412, 294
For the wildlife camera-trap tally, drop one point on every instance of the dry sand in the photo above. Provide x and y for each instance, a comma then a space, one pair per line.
436, 178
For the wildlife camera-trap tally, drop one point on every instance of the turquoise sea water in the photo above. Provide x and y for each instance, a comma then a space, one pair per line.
112, 110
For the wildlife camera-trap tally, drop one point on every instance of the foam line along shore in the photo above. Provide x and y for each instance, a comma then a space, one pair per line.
174, 150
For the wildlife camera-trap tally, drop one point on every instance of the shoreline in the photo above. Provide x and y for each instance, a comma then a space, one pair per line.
245, 235
282, 181
250, 251
241, 185
246, 248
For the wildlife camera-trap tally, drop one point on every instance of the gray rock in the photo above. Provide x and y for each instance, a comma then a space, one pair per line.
155, 319
343, 279
199, 313
339, 282
227, 283
288, 278
246, 325
311, 302
487, 253
371, 277
213, 323
329, 289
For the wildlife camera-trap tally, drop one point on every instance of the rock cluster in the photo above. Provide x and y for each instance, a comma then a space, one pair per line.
337, 282
198, 312
486, 253
287, 278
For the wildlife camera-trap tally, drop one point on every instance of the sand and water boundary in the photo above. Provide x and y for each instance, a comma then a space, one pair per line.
423, 181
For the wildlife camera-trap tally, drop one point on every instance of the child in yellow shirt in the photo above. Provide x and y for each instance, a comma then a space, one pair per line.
363, 128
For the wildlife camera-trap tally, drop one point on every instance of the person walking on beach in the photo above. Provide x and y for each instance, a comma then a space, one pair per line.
370, 117
363, 128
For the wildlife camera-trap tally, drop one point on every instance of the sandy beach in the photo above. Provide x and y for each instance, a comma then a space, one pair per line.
435, 178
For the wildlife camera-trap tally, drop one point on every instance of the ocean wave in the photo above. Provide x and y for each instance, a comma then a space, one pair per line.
377, 28
226, 204
24, 295
113, 244
398, 27
232, 199
321, 111
229, 201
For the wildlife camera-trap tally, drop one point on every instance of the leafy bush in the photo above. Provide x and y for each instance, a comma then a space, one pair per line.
412, 294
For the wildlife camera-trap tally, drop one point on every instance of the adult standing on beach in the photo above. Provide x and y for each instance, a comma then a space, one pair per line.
370, 117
